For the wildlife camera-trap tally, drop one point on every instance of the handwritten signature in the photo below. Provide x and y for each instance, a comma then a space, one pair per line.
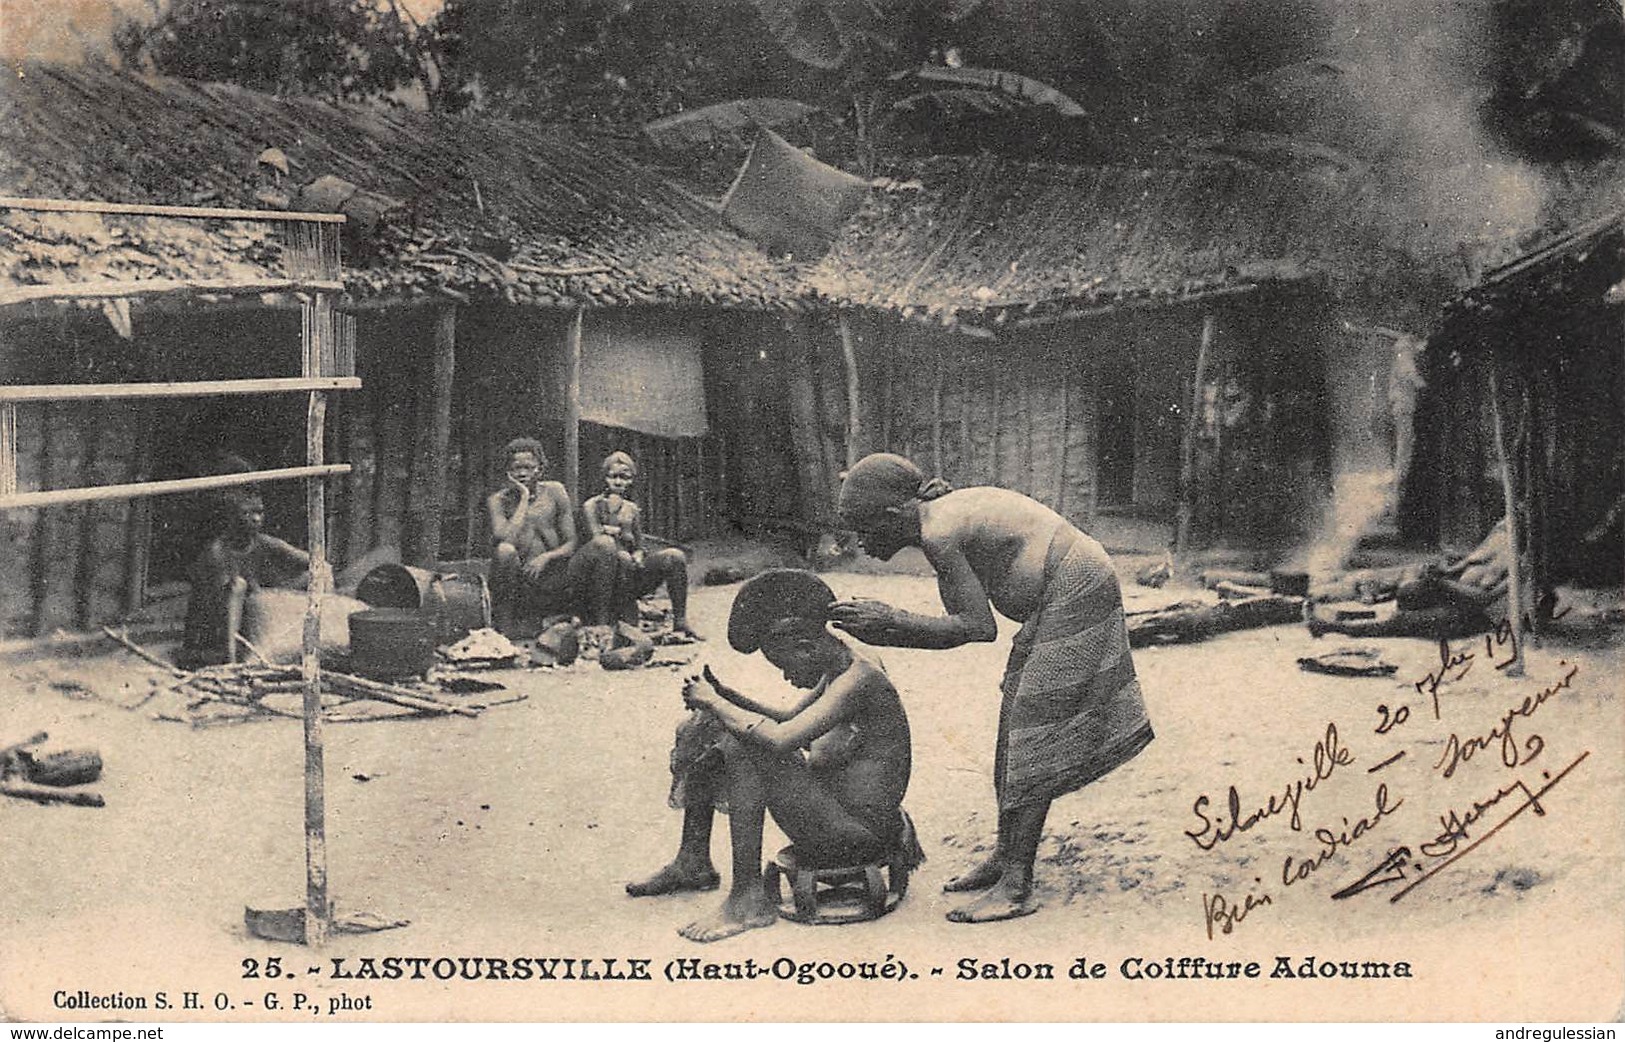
1447, 848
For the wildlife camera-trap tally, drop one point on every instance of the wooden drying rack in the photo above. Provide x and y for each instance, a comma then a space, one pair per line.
312, 381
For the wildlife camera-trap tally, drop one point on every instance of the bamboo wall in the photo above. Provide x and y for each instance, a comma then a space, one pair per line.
77, 567
1018, 412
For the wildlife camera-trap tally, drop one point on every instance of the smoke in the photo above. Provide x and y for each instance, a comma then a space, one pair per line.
1359, 500
1418, 74
1425, 70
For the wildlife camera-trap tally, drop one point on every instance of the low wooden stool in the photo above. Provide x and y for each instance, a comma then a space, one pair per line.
834, 894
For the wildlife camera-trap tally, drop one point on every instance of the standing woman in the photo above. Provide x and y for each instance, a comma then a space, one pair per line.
1072, 708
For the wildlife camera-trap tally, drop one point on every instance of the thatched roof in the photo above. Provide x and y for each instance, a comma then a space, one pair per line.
497, 209
1579, 270
984, 241
486, 207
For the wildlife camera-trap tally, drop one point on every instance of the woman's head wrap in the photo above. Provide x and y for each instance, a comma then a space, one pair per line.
770, 599
882, 480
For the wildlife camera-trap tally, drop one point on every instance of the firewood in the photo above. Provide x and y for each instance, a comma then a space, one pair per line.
1213, 577
1231, 591
142, 653
16, 747
391, 693
40, 794
68, 767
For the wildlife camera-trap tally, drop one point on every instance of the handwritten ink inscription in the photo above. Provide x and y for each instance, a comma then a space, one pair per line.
1508, 743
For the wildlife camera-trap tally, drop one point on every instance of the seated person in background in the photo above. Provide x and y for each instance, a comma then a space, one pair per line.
232, 565
1437, 603
624, 570
533, 538
832, 768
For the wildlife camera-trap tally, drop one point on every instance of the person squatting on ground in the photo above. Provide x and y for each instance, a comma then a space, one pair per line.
534, 573
233, 565
1072, 709
622, 570
832, 768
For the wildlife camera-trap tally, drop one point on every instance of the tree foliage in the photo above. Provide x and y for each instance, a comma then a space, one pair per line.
338, 49
617, 61
1113, 79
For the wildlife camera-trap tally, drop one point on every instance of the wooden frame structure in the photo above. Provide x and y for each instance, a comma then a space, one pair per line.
327, 365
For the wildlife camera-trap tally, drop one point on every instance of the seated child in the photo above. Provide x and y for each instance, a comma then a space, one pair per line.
614, 532
832, 768
233, 565
533, 540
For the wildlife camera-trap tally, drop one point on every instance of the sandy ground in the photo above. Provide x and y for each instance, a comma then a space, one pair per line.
512, 835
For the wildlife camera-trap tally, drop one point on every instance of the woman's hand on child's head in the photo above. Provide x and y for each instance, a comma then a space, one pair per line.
864, 619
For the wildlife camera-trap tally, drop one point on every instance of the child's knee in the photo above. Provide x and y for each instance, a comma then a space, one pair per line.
505, 554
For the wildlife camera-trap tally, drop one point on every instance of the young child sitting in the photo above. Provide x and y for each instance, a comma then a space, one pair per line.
614, 528
232, 567
832, 768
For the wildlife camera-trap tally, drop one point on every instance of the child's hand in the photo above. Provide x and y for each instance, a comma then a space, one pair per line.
697, 692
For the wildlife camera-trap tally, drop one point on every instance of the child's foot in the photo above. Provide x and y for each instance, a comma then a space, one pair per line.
1317, 628
1008, 899
676, 877
738, 913
979, 878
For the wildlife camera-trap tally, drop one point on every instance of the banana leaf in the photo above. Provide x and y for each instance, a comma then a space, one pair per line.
699, 126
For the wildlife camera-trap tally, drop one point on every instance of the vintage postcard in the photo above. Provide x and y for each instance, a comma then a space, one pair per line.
795, 510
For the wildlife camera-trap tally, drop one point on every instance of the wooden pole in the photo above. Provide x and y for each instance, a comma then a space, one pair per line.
11, 202
572, 406
190, 389
967, 450
1187, 449
317, 911
90, 494
886, 394
147, 288
804, 430
854, 420
936, 410
138, 522
1030, 466
995, 473
1066, 435
428, 491
1509, 497
471, 422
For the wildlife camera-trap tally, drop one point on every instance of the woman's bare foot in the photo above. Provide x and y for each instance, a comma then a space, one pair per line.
681, 627
677, 877
1010, 898
979, 878
740, 912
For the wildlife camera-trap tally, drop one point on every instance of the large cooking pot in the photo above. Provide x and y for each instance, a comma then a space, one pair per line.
390, 643
457, 603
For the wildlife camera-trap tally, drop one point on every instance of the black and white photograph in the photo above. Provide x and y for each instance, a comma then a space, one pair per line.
783, 511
